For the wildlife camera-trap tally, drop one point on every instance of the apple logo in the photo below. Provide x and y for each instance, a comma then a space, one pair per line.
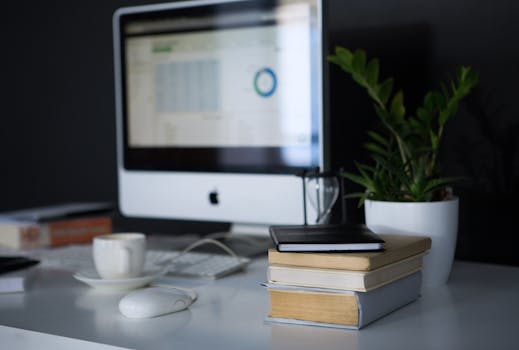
213, 197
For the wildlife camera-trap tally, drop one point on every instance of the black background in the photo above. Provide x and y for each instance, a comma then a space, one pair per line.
57, 117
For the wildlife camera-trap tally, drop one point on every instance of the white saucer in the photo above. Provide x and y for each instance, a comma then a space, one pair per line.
92, 278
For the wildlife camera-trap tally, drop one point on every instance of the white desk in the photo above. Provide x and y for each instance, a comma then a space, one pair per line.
478, 309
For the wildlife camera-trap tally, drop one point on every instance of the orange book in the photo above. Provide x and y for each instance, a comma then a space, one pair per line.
28, 235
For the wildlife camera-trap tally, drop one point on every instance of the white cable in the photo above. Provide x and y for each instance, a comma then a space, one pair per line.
167, 263
207, 241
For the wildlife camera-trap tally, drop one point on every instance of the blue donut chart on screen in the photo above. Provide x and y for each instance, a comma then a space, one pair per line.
268, 75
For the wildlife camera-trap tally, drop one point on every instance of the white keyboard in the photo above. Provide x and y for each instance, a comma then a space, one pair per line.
190, 264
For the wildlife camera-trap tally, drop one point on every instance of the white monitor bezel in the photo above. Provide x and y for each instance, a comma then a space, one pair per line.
250, 199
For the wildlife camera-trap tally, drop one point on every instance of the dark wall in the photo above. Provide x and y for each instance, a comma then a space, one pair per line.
57, 131
420, 44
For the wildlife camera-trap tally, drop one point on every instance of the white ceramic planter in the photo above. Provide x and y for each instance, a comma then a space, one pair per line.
438, 220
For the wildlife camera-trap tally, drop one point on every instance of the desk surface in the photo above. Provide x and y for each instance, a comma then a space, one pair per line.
478, 309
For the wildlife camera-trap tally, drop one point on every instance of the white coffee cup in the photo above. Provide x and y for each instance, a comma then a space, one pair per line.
119, 255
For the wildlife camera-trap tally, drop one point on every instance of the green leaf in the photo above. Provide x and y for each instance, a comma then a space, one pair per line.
363, 172
473, 78
423, 115
340, 63
462, 73
419, 174
334, 59
435, 140
343, 58
385, 162
415, 125
428, 102
344, 55
385, 90
373, 94
445, 115
382, 114
452, 109
372, 71
436, 184
359, 79
358, 62
454, 88
439, 100
467, 79
373, 147
397, 106
365, 167
365, 182
378, 138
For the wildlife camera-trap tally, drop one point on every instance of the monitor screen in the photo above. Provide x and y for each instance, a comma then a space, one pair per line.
217, 100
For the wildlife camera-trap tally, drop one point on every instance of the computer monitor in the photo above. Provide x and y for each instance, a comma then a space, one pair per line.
219, 106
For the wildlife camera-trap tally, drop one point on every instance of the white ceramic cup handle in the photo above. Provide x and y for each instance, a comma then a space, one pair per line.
125, 255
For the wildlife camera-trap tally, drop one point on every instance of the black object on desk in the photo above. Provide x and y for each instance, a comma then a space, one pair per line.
13, 263
325, 238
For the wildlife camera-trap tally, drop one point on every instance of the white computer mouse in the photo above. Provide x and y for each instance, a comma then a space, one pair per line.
155, 301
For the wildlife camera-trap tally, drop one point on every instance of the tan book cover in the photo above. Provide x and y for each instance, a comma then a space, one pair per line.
360, 281
397, 247
314, 306
337, 308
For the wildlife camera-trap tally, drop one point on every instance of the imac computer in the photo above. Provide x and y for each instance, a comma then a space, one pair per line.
219, 106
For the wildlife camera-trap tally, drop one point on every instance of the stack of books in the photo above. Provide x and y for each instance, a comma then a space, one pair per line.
345, 290
57, 225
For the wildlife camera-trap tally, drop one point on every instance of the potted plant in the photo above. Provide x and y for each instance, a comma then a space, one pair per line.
404, 190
